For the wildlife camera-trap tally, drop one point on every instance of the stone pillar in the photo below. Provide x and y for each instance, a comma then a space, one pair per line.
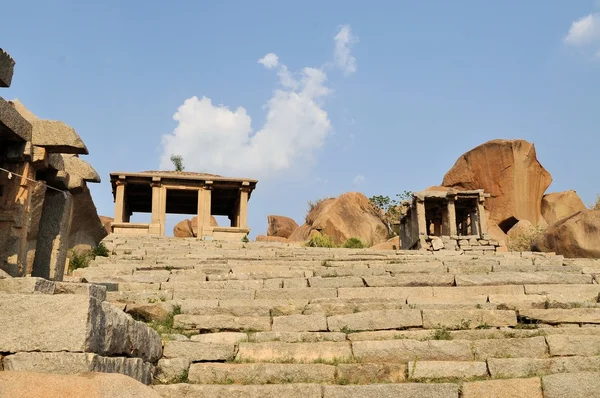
452, 217
155, 223
120, 202
474, 222
421, 220
162, 209
53, 236
482, 221
243, 209
204, 210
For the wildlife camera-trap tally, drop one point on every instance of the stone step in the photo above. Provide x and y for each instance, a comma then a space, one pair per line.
295, 352
78, 362
246, 391
260, 373
431, 370
525, 367
522, 278
201, 323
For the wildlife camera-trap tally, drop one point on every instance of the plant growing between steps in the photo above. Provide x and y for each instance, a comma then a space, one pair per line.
82, 259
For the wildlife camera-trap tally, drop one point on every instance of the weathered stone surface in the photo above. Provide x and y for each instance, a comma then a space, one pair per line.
510, 172
225, 391
172, 370
397, 293
390, 244
476, 290
350, 215
410, 280
562, 345
465, 319
211, 294
265, 238
585, 292
369, 373
27, 286
511, 388
523, 367
522, 228
533, 347
189, 228
300, 352
7, 67
408, 350
404, 390
342, 306
222, 323
554, 316
300, 323
88, 289
576, 236
195, 351
260, 373
521, 278
571, 385
340, 281
221, 338
296, 337
30, 324
78, 362
559, 205
57, 137
160, 311
11, 120
84, 385
423, 370
281, 226
295, 294
375, 320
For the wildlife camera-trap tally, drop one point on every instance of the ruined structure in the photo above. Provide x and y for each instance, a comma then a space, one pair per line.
42, 181
445, 219
162, 192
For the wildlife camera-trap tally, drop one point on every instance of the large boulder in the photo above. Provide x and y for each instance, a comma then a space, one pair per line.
85, 385
350, 215
574, 236
189, 228
87, 229
390, 244
281, 226
509, 171
265, 238
559, 205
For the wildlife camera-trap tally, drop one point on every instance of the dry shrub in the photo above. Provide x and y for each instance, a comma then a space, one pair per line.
524, 242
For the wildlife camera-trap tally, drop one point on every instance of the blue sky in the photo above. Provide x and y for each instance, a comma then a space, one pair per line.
388, 106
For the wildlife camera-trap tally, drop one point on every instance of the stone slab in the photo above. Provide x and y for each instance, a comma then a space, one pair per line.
221, 338
524, 367
239, 391
385, 292
403, 390
556, 316
297, 352
375, 320
532, 347
335, 282
428, 370
370, 373
510, 388
409, 350
571, 344
468, 319
196, 351
260, 373
296, 337
300, 323
295, 294
27, 286
12, 120
228, 323
571, 385
521, 278
477, 290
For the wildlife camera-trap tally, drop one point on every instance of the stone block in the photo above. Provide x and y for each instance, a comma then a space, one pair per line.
211, 294
571, 385
563, 345
11, 120
532, 347
295, 294
231, 390
298, 352
295, 283
88, 289
467, 319
510, 388
213, 285
524, 367
375, 320
84, 324
172, 370
220, 338
476, 290
7, 67
370, 373
556, 316
196, 352
409, 350
228, 323
403, 390
297, 337
410, 280
27, 286
521, 278
260, 373
341, 306
300, 323
397, 293
427, 370
335, 282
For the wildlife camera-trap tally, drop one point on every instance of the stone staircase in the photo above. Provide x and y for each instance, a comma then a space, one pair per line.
276, 320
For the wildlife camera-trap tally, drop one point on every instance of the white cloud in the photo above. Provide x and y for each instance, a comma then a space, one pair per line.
359, 179
584, 31
217, 139
270, 60
344, 40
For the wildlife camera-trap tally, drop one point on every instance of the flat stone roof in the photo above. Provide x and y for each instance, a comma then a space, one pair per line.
181, 175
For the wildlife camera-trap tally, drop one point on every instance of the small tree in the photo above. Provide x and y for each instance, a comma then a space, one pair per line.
177, 162
389, 208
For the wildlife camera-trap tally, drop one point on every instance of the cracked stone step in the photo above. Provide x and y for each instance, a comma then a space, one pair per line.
521, 278
260, 373
203, 323
557, 316
468, 319
250, 391
427, 370
524, 367
297, 352
375, 320
407, 279
197, 351
403, 390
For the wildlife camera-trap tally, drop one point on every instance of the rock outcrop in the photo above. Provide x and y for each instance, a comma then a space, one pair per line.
559, 205
510, 172
574, 236
281, 226
390, 244
521, 228
189, 228
350, 215
265, 238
